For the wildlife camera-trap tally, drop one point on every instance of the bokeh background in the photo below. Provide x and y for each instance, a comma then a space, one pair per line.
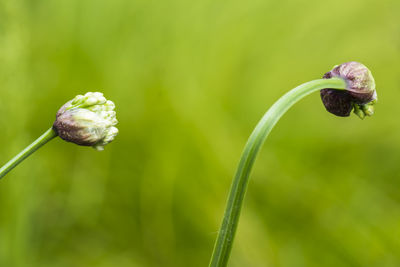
190, 80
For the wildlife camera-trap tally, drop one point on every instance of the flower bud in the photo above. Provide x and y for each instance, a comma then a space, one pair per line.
87, 120
359, 95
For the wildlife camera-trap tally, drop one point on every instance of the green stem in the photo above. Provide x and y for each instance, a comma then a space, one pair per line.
226, 234
43, 139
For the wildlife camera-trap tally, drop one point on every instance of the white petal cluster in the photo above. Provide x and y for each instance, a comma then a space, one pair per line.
87, 120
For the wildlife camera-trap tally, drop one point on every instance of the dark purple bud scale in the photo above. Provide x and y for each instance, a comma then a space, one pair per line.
337, 102
66, 127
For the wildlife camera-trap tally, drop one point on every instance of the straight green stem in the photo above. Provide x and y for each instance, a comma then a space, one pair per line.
226, 234
43, 139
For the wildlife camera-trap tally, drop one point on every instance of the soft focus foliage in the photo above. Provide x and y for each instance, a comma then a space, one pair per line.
190, 80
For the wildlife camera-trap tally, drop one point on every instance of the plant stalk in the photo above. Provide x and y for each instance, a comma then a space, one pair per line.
226, 234
43, 139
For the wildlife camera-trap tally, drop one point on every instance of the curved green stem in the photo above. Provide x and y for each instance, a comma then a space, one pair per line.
226, 234
43, 139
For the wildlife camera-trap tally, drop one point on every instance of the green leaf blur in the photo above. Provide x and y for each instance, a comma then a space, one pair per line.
190, 79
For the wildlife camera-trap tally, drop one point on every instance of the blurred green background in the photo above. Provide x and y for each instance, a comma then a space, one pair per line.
190, 80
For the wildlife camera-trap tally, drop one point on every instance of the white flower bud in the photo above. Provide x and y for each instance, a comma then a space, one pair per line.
87, 120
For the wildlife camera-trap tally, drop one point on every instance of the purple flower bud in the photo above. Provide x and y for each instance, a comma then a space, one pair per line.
359, 95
